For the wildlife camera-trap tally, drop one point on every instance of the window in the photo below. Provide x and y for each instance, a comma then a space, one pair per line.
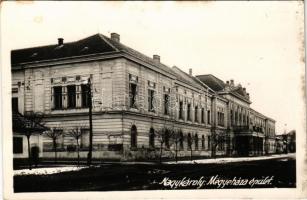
151, 94
189, 142
15, 105
196, 114
203, 142
181, 141
17, 145
57, 94
209, 142
220, 117
133, 136
243, 119
166, 139
189, 112
231, 117
196, 142
71, 99
132, 95
202, 115
85, 96
166, 104
151, 137
180, 110
85, 138
209, 117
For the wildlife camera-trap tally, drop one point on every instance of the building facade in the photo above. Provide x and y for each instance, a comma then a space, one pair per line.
141, 108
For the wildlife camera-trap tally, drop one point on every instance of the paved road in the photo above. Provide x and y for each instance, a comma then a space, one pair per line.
277, 172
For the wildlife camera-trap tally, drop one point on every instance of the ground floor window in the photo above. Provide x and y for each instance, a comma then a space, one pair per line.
196, 142
152, 138
189, 142
17, 145
181, 141
203, 142
133, 136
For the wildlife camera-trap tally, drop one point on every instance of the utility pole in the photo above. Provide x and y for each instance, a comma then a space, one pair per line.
89, 156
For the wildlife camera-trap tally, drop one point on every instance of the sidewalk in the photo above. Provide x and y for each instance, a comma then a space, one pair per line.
236, 159
59, 168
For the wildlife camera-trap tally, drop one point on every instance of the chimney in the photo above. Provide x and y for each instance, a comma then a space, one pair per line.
190, 71
232, 82
244, 90
60, 41
115, 37
227, 82
156, 58
247, 95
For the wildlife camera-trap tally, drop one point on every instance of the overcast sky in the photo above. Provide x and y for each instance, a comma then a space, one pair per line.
258, 44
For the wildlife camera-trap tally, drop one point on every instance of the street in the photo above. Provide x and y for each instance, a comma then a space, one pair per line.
267, 173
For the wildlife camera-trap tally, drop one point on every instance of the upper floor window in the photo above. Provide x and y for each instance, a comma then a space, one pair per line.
57, 94
133, 80
209, 117
189, 112
85, 96
202, 115
151, 94
196, 114
166, 104
132, 95
220, 117
180, 110
71, 96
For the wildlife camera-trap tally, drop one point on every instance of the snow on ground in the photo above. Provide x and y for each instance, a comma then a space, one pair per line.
228, 160
46, 170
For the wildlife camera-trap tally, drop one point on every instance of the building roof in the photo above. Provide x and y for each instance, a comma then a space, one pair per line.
94, 44
186, 78
90, 45
213, 82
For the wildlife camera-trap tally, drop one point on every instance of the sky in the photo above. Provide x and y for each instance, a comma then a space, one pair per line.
258, 44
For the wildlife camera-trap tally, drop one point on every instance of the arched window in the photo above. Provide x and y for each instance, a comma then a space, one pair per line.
133, 136
151, 137
166, 138
189, 142
203, 142
181, 140
196, 141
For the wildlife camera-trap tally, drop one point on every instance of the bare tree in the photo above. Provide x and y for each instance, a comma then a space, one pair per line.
164, 136
176, 138
54, 133
190, 140
76, 132
29, 123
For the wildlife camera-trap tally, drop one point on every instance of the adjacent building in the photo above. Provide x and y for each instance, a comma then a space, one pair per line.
139, 105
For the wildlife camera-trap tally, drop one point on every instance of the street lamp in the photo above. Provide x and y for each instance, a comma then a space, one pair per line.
89, 92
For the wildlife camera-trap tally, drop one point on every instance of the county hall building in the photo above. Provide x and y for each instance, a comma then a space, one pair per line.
137, 104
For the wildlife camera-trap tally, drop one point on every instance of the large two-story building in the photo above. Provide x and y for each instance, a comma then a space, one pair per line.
138, 104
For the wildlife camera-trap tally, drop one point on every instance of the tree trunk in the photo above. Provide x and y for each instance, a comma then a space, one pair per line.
29, 153
176, 156
191, 154
161, 152
78, 152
